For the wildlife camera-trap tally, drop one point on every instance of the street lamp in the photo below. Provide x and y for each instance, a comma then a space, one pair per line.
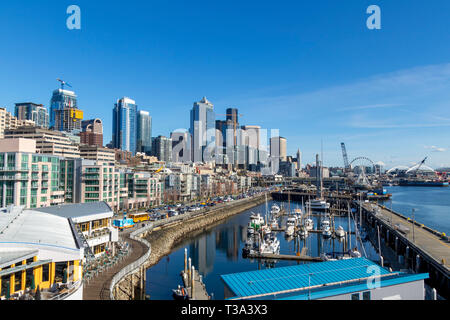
414, 222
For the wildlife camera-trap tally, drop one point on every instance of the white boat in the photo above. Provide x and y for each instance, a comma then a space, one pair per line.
339, 232
309, 224
274, 223
303, 232
291, 223
318, 204
270, 245
275, 209
255, 223
325, 226
355, 253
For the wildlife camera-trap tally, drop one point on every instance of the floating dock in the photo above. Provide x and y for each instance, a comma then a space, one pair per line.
284, 257
193, 281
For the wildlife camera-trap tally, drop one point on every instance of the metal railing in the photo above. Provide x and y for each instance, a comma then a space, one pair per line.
131, 268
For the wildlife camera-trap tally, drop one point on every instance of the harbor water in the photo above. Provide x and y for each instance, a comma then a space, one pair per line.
431, 204
219, 251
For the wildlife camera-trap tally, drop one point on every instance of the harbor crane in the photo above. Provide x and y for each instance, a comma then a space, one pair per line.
344, 155
63, 83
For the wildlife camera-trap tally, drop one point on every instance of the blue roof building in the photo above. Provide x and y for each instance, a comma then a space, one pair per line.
350, 279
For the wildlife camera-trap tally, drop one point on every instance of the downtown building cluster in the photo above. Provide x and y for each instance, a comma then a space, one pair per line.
59, 158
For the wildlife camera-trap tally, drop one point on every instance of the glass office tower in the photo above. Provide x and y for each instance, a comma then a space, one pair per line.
64, 112
202, 130
32, 111
125, 125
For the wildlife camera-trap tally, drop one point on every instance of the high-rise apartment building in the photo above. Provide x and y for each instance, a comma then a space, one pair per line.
144, 132
125, 125
162, 148
32, 111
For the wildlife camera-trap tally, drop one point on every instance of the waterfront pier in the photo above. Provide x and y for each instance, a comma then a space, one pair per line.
193, 281
416, 246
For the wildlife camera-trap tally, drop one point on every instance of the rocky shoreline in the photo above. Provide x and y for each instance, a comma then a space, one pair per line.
164, 240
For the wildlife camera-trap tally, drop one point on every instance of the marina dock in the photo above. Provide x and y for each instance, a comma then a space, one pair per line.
193, 281
272, 256
421, 248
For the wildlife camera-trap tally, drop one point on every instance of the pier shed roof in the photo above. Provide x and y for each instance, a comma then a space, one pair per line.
312, 280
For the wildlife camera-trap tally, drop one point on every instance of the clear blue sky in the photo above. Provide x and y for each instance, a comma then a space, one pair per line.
308, 68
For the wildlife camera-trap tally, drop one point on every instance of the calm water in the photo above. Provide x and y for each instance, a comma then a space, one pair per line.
219, 251
432, 205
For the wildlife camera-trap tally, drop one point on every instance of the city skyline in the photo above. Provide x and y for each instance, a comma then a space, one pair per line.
373, 90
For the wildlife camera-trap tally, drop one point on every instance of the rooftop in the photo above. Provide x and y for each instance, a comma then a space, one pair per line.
313, 280
78, 209
25, 228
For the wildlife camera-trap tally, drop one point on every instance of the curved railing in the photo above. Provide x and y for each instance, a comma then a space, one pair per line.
131, 268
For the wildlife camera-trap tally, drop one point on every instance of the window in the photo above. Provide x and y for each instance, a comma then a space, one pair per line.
45, 273
59, 271
366, 295
5, 285
18, 281
355, 296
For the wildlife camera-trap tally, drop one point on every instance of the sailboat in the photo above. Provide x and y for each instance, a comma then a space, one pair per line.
319, 204
308, 222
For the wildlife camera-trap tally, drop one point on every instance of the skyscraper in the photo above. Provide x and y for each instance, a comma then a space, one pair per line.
181, 146
144, 132
125, 125
64, 112
299, 160
278, 148
32, 111
202, 130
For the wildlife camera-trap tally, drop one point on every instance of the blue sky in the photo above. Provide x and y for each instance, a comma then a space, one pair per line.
308, 68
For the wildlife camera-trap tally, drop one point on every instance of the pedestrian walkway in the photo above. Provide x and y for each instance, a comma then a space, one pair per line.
98, 287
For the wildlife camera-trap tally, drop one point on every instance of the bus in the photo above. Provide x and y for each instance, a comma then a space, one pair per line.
139, 217
123, 223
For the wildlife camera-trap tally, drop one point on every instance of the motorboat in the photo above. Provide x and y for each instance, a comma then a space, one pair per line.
275, 209
180, 293
255, 223
302, 232
355, 253
340, 232
309, 224
274, 223
291, 223
270, 245
325, 226
318, 204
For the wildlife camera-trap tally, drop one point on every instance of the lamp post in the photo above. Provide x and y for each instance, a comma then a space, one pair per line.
414, 222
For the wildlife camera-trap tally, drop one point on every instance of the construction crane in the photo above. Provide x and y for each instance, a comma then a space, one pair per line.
63, 83
344, 155
234, 123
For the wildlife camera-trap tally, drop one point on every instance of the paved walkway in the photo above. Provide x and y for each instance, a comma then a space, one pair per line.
98, 287
430, 243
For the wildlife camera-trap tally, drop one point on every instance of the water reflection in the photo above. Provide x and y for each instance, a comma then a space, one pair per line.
219, 251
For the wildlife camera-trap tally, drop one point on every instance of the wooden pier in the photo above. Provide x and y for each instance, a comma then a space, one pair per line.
193, 281
273, 256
